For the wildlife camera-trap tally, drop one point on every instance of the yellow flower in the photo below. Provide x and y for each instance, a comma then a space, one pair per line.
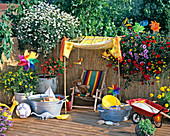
165, 87
130, 50
157, 81
168, 89
12, 79
8, 79
163, 94
14, 75
26, 86
132, 38
31, 73
14, 90
31, 87
37, 79
157, 77
20, 83
5, 86
159, 96
31, 77
10, 72
162, 89
26, 74
166, 105
153, 37
151, 95
143, 31
7, 89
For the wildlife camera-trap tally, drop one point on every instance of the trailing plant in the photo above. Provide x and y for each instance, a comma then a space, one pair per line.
5, 123
19, 81
143, 55
54, 67
43, 26
146, 128
5, 38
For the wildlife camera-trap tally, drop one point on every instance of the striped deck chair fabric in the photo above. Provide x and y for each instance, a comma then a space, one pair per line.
93, 79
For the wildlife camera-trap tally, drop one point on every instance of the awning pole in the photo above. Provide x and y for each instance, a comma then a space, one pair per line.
119, 77
65, 83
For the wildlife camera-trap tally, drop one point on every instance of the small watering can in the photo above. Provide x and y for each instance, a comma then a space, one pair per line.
15, 103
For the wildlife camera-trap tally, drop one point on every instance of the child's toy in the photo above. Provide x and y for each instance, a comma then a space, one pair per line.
80, 88
147, 108
23, 110
15, 103
45, 115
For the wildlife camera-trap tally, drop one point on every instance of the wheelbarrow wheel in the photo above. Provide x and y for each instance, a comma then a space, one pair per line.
136, 117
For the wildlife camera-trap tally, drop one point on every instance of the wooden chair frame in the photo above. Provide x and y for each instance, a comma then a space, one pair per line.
96, 96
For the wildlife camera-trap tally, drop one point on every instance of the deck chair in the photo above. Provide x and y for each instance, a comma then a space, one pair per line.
96, 81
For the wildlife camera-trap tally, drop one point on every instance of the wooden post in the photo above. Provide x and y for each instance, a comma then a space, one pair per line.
119, 77
65, 83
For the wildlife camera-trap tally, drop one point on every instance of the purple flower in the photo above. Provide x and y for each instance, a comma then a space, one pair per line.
2, 135
144, 46
131, 41
141, 45
139, 37
124, 54
2, 124
130, 33
141, 54
4, 128
145, 51
135, 54
130, 53
146, 56
136, 58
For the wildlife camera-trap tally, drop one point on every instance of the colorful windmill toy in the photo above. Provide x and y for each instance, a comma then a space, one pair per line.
28, 60
114, 89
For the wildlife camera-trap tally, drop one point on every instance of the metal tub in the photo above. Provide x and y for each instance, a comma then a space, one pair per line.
40, 107
114, 115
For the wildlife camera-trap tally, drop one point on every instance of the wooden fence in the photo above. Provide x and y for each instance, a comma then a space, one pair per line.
91, 60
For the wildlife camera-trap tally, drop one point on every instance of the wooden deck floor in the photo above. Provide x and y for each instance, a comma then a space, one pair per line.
81, 123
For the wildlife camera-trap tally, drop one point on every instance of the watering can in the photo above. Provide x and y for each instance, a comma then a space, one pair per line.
15, 103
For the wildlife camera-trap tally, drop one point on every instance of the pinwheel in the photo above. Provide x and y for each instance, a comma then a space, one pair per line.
28, 60
114, 89
155, 26
105, 55
125, 23
144, 23
79, 61
138, 28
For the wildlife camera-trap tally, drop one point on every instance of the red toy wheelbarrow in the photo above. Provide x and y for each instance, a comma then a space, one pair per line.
147, 108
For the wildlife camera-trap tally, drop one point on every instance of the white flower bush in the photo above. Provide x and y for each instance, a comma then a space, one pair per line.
43, 27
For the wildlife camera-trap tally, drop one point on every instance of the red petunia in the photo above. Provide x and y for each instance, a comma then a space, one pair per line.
121, 74
123, 42
136, 34
147, 36
147, 40
142, 83
124, 63
115, 69
143, 42
135, 71
134, 61
143, 72
58, 65
109, 65
136, 65
129, 60
148, 45
152, 83
162, 47
168, 46
130, 27
159, 62
153, 53
154, 41
158, 55
141, 63
131, 72
167, 42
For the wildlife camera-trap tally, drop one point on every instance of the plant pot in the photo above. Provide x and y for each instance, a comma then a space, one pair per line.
137, 130
45, 83
22, 97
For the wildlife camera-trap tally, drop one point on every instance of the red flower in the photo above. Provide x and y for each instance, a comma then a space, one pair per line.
142, 83
136, 35
124, 63
162, 47
121, 74
158, 55
130, 27
147, 36
70, 66
54, 56
136, 65
140, 68
135, 71
49, 59
143, 72
168, 46
147, 68
115, 69
167, 42
147, 40
159, 62
134, 61
141, 63
143, 42
58, 65
152, 83
123, 42
129, 60
109, 65
154, 41
153, 53
131, 72
148, 45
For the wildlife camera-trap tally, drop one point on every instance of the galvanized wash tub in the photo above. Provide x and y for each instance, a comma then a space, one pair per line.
114, 115
40, 107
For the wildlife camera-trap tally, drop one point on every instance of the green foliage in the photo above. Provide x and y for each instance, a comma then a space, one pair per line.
19, 81
156, 10
5, 38
146, 127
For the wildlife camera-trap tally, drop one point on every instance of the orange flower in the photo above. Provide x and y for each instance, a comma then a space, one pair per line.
155, 26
